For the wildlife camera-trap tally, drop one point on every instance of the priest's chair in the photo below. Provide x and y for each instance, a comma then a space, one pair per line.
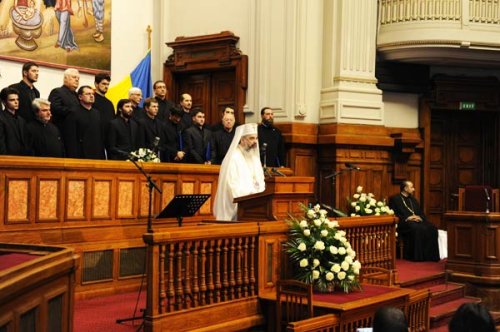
293, 302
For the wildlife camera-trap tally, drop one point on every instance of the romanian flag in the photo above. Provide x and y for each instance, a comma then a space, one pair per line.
140, 78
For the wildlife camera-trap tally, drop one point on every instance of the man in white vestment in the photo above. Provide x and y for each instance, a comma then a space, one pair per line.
241, 172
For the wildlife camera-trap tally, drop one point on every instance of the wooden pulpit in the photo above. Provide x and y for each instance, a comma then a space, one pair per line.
281, 198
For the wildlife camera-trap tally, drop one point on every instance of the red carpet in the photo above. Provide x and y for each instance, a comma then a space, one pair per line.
10, 260
408, 270
100, 314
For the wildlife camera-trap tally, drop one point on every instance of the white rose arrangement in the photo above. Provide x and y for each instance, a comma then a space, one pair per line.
363, 204
321, 252
145, 155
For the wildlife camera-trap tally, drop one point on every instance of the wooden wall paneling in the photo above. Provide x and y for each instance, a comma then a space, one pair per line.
127, 197
102, 189
18, 200
169, 189
48, 199
76, 199
223, 90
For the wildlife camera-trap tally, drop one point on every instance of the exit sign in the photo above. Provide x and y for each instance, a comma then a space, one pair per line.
467, 105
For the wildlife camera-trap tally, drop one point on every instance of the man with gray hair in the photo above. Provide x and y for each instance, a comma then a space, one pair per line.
135, 96
44, 137
64, 100
241, 172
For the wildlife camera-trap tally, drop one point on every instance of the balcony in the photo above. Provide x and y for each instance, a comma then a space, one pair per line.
440, 32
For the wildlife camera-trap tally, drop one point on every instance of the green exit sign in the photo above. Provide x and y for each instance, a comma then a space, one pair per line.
467, 105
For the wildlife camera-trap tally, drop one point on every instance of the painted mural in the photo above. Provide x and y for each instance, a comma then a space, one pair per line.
59, 33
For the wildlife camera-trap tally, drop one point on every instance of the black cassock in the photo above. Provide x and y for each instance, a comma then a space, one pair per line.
420, 238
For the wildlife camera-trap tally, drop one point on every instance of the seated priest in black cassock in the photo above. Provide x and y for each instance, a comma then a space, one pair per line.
124, 134
419, 235
44, 137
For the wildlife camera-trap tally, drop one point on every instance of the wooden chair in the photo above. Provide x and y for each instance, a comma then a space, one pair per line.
417, 310
293, 302
323, 323
377, 276
494, 204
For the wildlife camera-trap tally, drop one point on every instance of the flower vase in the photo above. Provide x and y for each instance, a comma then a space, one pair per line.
329, 288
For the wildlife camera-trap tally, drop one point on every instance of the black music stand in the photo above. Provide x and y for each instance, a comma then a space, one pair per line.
183, 206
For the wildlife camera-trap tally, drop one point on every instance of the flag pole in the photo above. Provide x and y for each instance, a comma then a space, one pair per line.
149, 30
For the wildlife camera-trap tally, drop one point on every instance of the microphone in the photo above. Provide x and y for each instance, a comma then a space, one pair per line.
129, 155
263, 151
352, 166
487, 200
156, 141
276, 171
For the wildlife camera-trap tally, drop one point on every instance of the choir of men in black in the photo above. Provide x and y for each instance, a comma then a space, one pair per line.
80, 122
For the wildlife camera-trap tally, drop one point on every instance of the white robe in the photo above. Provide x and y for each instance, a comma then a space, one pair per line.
240, 175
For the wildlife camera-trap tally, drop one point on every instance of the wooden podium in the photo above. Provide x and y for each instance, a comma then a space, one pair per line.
474, 253
281, 197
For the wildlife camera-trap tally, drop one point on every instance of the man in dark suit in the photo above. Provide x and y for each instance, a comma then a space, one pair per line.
198, 140
27, 90
124, 134
420, 236
175, 147
13, 140
152, 127
269, 134
160, 94
186, 102
64, 100
222, 138
101, 103
82, 131
44, 137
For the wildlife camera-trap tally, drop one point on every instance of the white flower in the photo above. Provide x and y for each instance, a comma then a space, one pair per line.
315, 274
359, 189
355, 271
352, 254
303, 262
355, 196
391, 212
344, 265
368, 211
310, 213
342, 251
373, 202
334, 250
302, 246
348, 259
353, 214
317, 222
303, 224
356, 265
316, 208
343, 233
315, 262
324, 233
307, 232
341, 275
323, 212
319, 245
383, 209
362, 199
371, 195
343, 240
377, 213
353, 204
337, 236
335, 268
380, 204
335, 223
350, 277
377, 210
329, 276
357, 208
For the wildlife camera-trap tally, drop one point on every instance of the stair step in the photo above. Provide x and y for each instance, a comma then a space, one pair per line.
440, 315
424, 282
446, 292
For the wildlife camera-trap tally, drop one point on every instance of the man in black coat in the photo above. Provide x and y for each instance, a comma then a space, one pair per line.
13, 137
27, 90
45, 138
82, 131
186, 102
222, 138
160, 94
420, 236
175, 147
124, 134
152, 127
275, 151
101, 103
198, 140
64, 100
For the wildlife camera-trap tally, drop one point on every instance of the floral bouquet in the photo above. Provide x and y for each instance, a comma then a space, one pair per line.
322, 253
364, 204
145, 155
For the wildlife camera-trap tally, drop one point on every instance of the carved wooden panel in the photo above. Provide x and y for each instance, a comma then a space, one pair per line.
144, 199
101, 205
17, 200
48, 192
168, 192
464, 241
125, 204
206, 188
76, 199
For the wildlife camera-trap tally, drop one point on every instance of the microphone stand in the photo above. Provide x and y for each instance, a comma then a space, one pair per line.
151, 185
333, 176
487, 200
